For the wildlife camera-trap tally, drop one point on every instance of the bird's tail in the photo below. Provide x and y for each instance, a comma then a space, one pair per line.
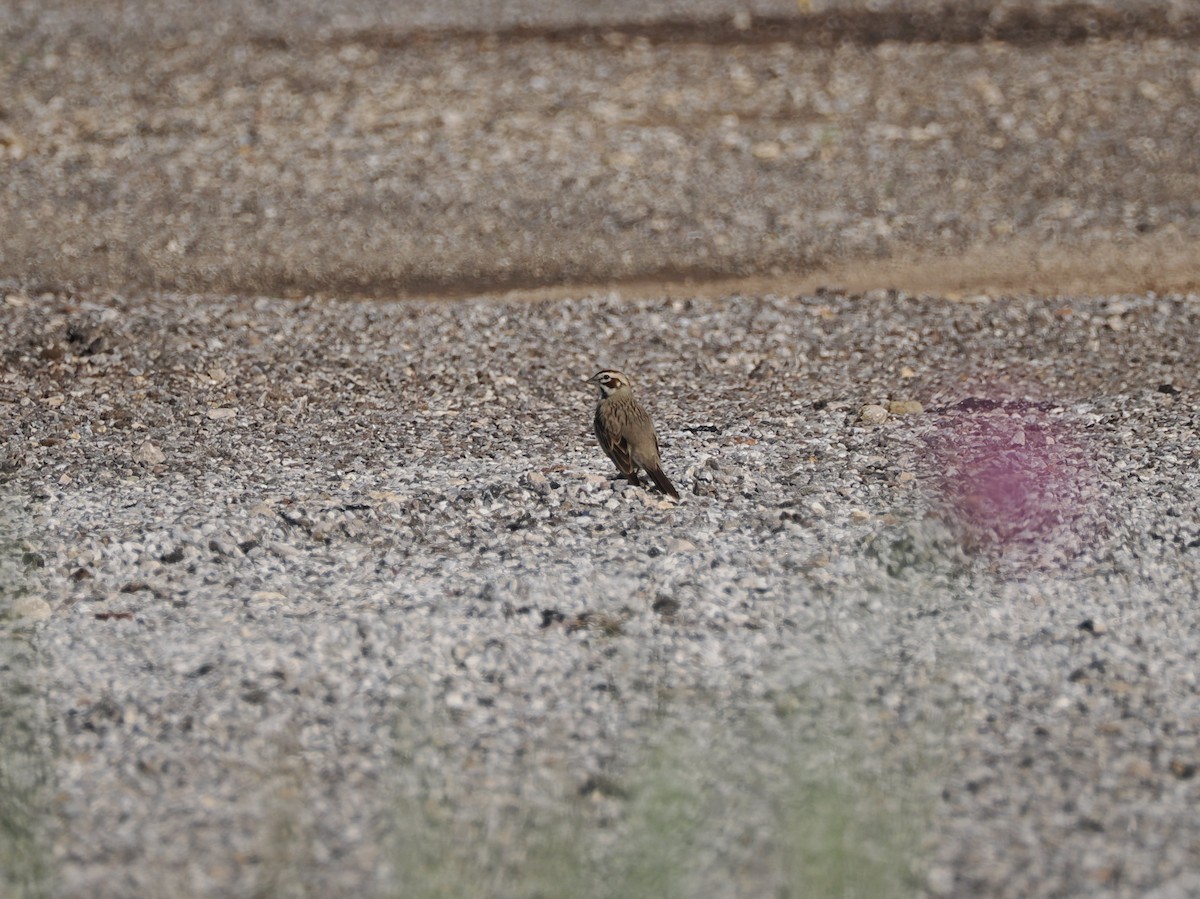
662, 482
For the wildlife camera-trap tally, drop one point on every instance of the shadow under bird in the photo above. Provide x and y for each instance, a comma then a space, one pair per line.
625, 431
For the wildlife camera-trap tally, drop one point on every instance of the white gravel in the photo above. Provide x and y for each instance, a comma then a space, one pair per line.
314, 570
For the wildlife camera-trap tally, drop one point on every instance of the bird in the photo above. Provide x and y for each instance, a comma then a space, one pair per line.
625, 431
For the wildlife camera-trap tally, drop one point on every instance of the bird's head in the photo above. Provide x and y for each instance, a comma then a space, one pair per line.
609, 381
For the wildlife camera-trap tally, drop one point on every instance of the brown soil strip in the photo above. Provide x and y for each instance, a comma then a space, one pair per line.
1163, 265
953, 23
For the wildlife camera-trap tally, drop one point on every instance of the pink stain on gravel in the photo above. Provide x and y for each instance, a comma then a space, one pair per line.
1013, 480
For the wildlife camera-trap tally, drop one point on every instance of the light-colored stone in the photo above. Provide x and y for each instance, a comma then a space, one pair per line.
30, 608
905, 407
872, 414
149, 454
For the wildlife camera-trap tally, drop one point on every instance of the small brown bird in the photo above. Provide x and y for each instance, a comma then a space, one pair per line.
625, 431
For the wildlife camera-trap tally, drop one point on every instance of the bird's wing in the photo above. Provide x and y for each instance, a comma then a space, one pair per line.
621, 456
616, 448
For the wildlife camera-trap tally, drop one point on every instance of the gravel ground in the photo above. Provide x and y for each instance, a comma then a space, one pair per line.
350, 155
323, 596
298, 563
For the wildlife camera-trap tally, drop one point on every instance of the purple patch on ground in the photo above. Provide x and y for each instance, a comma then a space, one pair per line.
1013, 481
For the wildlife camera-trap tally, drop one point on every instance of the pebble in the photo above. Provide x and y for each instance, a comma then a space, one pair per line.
149, 454
767, 150
905, 407
872, 414
29, 608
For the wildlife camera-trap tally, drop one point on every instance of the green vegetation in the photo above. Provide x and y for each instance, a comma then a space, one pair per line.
758, 814
25, 741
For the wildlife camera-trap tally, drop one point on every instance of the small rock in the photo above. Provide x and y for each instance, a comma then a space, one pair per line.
679, 545
873, 414
222, 413
858, 516
149, 454
767, 150
222, 547
610, 625
666, 606
1139, 769
598, 787
940, 881
284, 550
1183, 769
905, 407
30, 608
1018, 438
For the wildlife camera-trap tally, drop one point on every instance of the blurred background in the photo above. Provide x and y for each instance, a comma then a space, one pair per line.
415, 148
